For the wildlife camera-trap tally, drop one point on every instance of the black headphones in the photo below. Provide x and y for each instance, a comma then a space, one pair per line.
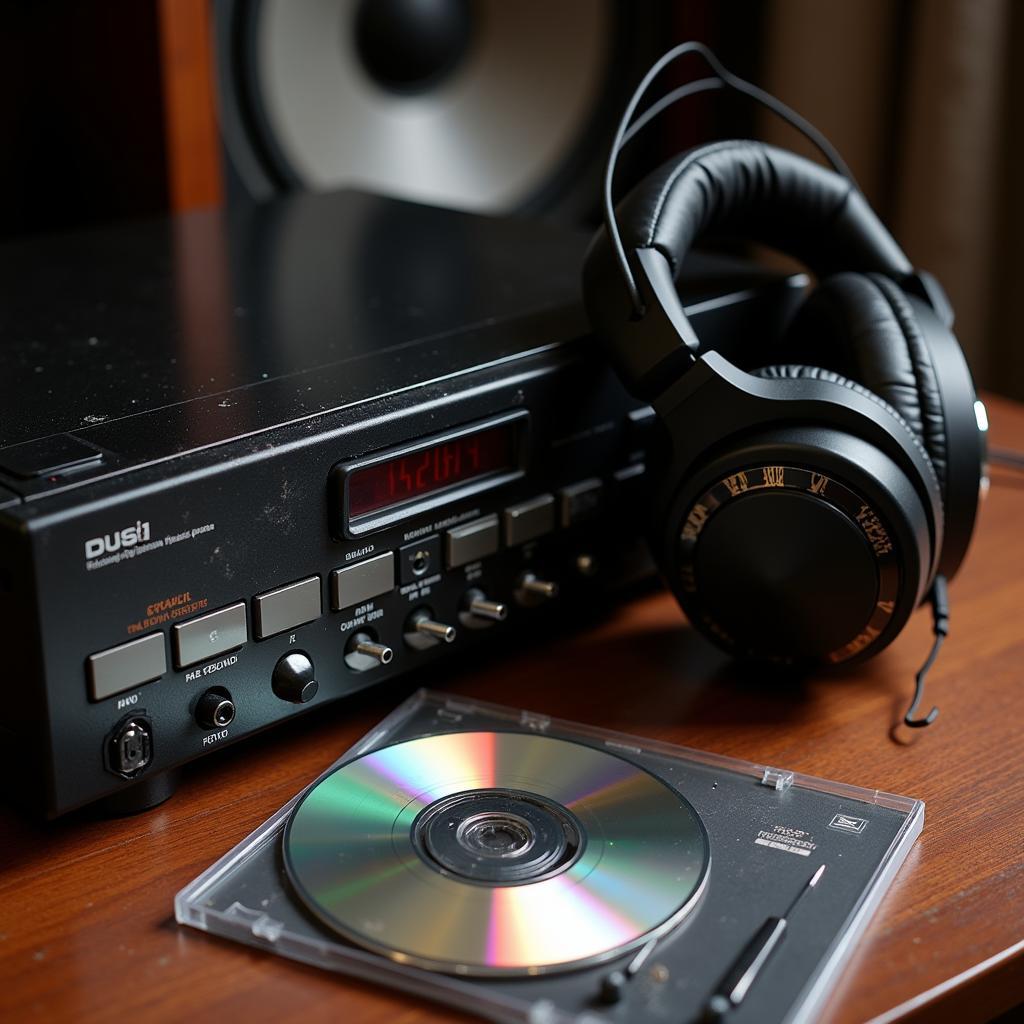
801, 509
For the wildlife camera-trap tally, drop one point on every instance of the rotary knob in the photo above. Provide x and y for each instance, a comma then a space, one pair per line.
293, 679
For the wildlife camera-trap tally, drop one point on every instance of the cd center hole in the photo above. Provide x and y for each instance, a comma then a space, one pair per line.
496, 835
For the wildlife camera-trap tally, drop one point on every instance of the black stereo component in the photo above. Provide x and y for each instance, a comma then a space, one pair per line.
250, 466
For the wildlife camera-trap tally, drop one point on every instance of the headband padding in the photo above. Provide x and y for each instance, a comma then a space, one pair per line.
749, 190
863, 326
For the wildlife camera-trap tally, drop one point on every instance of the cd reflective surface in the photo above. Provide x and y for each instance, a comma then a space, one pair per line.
495, 853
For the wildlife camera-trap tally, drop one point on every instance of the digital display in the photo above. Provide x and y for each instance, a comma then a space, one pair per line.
406, 477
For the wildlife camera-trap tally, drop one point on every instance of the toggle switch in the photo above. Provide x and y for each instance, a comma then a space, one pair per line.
363, 652
479, 612
423, 632
531, 591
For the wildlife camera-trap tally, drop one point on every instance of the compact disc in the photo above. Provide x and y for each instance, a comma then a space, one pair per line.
495, 853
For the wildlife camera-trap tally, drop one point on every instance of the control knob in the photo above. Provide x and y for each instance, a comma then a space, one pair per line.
293, 678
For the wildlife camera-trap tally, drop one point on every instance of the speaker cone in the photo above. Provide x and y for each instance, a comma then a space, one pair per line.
483, 105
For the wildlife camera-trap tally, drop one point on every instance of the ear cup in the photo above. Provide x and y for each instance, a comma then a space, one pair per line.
863, 326
800, 541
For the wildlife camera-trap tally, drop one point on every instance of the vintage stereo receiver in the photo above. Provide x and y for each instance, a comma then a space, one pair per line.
254, 461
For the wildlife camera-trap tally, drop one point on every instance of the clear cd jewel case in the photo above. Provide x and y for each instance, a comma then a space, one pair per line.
769, 829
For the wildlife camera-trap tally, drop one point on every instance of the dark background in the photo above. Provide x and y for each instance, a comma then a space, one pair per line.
118, 109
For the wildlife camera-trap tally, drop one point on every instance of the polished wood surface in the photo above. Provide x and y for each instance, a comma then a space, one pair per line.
86, 925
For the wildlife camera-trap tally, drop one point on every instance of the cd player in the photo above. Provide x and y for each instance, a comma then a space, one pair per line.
254, 460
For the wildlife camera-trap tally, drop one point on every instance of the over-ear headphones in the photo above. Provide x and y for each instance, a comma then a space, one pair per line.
805, 504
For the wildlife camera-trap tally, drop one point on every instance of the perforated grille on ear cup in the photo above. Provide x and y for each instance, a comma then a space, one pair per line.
863, 326
795, 371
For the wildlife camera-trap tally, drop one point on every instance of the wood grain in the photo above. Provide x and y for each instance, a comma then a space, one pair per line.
194, 172
86, 928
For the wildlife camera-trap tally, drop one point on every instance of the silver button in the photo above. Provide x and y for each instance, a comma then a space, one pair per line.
529, 519
472, 541
209, 635
358, 583
127, 666
286, 607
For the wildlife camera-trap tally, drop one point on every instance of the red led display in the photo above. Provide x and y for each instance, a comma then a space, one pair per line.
406, 477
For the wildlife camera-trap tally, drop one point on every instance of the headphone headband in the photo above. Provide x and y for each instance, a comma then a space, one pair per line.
752, 190
738, 189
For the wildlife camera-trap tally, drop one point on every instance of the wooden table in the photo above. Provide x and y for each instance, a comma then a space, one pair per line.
86, 926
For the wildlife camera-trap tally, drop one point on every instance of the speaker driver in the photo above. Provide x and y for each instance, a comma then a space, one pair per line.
477, 104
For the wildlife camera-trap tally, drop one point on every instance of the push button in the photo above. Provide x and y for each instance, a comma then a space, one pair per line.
529, 519
472, 541
286, 607
209, 635
365, 580
127, 666
579, 501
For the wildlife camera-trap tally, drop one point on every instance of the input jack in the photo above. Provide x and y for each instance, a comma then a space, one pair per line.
215, 709
129, 747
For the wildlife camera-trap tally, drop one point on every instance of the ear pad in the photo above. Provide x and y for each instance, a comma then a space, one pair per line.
793, 371
863, 326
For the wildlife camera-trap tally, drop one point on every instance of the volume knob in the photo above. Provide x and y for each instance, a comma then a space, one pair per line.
293, 678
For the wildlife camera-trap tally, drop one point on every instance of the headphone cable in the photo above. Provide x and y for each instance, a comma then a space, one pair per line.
1008, 459
940, 629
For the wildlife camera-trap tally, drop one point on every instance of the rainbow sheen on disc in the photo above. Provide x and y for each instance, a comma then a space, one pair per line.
495, 853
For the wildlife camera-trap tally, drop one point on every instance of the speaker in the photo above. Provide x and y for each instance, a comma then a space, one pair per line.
482, 105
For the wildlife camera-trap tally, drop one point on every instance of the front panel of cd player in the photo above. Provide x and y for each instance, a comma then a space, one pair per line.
288, 572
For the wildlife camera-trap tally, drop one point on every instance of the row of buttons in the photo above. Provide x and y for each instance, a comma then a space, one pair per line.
141, 661
469, 542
